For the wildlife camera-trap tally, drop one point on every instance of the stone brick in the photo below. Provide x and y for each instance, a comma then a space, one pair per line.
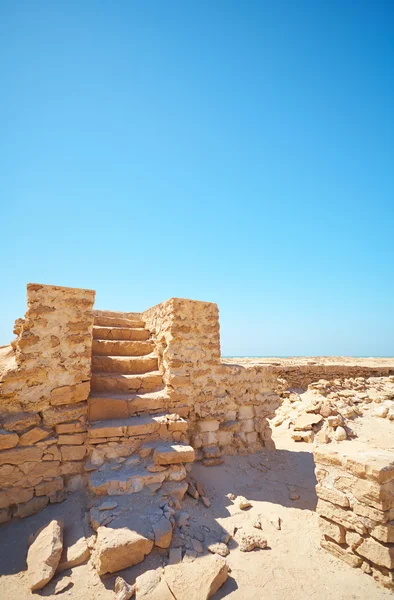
332, 530
15, 496
73, 452
33, 436
342, 553
225, 438
247, 425
72, 468
20, 421
7, 439
208, 425
208, 438
332, 495
46, 488
31, 508
377, 553
72, 439
10, 476
342, 516
74, 427
17, 456
62, 414
70, 394
246, 412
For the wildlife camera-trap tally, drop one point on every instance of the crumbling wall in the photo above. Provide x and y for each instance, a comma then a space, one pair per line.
356, 506
227, 405
43, 391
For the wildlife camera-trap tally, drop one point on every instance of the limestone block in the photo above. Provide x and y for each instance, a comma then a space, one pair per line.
17, 456
118, 549
15, 496
353, 540
33, 436
46, 488
20, 421
73, 427
62, 414
332, 495
230, 426
342, 553
198, 580
209, 437
246, 412
70, 394
10, 476
225, 438
44, 555
332, 530
252, 437
73, 453
31, 507
72, 439
379, 554
163, 533
8, 439
342, 516
247, 425
208, 425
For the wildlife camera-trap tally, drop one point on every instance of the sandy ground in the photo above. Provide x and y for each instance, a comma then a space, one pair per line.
292, 567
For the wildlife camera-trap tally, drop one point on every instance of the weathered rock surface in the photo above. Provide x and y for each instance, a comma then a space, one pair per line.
44, 555
118, 549
198, 580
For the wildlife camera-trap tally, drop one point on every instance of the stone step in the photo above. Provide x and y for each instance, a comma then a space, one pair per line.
104, 406
126, 480
172, 454
141, 425
121, 348
118, 383
112, 321
127, 365
120, 333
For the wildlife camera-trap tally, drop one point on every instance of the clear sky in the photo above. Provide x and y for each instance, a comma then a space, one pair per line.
229, 151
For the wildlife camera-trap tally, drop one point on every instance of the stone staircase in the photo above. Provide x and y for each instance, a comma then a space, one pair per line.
136, 440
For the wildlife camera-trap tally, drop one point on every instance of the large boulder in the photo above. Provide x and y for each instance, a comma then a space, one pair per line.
118, 549
44, 554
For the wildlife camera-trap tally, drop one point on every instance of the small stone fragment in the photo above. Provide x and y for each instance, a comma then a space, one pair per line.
206, 501
340, 434
243, 503
219, 548
62, 584
175, 556
123, 590
250, 541
107, 505
191, 490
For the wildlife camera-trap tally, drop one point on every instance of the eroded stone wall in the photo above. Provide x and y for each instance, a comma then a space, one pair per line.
44, 386
356, 506
227, 405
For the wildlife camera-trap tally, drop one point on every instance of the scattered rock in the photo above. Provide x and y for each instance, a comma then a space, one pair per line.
62, 585
198, 580
151, 585
163, 533
44, 554
219, 548
175, 556
118, 549
107, 505
123, 590
191, 490
206, 501
181, 518
293, 496
249, 541
276, 522
340, 434
304, 422
197, 546
243, 503
190, 556
231, 496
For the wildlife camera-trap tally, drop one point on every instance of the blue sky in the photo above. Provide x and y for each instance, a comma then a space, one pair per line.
235, 152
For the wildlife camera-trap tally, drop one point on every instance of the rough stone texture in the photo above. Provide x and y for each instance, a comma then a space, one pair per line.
44, 555
213, 393
118, 549
198, 580
356, 506
44, 382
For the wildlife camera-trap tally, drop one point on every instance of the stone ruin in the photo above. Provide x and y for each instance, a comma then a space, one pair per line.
116, 402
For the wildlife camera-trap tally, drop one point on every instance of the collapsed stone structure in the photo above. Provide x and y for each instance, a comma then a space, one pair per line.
116, 402
82, 389
356, 506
